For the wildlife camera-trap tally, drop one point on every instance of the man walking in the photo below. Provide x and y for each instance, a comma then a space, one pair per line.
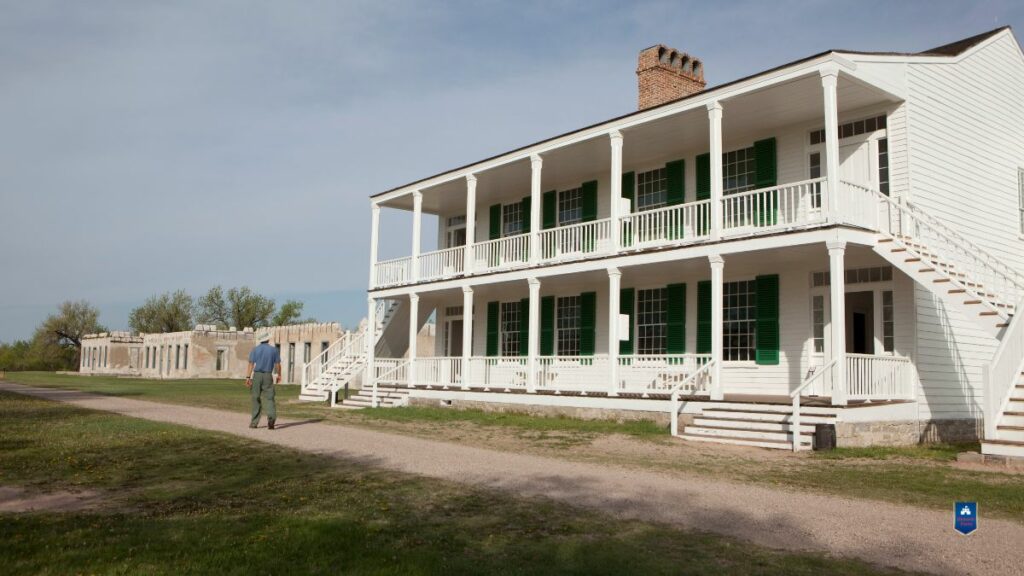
264, 372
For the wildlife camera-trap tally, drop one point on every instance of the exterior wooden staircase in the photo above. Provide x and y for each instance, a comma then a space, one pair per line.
759, 425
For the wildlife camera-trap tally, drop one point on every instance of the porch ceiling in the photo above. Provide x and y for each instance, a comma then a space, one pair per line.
745, 117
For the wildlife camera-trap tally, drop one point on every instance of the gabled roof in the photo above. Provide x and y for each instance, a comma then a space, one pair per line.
953, 49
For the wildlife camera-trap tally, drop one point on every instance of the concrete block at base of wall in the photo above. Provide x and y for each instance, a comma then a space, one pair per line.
660, 418
906, 433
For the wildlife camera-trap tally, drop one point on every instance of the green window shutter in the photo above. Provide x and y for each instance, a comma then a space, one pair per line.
629, 189
765, 170
704, 317
765, 176
524, 327
676, 319
527, 203
495, 222
703, 190
549, 210
627, 301
547, 326
588, 202
588, 323
767, 326
675, 176
493, 320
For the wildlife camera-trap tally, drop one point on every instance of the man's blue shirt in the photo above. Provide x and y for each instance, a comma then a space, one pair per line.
265, 357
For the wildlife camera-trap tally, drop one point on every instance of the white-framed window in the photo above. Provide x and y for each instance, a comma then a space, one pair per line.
818, 322
814, 165
567, 326
1020, 197
738, 171
855, 128
651, 190
888, 323
512, 219
222, 359
855, 276
510, 328
739, 320
456, 235
883, 166
570, 206
651, 320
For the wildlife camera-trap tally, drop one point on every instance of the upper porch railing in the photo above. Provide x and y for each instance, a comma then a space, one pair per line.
762, 211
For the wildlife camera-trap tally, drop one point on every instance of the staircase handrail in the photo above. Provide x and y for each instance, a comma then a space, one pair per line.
794, 421
999, 376
401, 363
982, 269
1018, 278
341, 348
705, 369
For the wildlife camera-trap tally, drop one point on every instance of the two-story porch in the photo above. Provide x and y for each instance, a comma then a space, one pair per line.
751, 241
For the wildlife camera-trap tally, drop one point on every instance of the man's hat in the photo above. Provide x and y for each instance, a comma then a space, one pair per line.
263, 337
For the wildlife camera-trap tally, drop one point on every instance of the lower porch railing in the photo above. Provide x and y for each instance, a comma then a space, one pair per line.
870, 377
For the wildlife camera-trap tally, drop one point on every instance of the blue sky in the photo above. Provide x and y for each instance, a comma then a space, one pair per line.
151, 146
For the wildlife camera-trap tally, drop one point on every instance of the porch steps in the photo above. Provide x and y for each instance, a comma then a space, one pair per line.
314, 396
387, 397
1010, 427
757, 425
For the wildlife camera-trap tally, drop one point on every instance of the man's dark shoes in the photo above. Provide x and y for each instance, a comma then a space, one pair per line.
270, 424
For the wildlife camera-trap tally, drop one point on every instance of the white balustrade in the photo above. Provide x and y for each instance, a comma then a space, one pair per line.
660, 374
576, 241
393, 272
349, 348
502, 253
1003, 373
446, 263
973, 265
858, 206
496, 373
442, 372
392, 371
776, 207
677, 224
572, 373
871, 377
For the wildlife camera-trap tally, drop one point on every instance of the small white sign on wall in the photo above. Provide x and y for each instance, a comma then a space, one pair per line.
623, 326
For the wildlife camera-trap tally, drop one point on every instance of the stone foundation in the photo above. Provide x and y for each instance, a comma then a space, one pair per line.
660, 418
906, 433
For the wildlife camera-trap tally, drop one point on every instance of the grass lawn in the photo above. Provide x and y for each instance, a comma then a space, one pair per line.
186, 501
922, 475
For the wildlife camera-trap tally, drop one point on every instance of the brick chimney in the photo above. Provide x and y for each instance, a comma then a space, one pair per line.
664, 74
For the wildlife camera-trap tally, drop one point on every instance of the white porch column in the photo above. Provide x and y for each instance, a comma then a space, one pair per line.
715, 151
467, 255
717, 272
417, 217
614, 287
467, 334
837, 300
829, 78
616, 199
533, 342
374, 237
414, 316
536, 163
370, 374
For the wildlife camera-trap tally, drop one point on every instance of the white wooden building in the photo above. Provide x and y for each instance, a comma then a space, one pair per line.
837, 240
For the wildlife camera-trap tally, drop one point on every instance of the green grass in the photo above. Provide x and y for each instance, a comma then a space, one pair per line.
186, 501
918, 475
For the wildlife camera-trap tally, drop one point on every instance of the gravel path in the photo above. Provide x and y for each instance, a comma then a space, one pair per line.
882, 533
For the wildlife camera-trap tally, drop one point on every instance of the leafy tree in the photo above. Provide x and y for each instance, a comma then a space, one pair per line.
58, 340
170, 312
15, 356
241, 308
289, 313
